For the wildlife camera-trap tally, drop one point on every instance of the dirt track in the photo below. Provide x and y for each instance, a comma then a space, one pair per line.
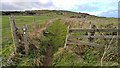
48, 59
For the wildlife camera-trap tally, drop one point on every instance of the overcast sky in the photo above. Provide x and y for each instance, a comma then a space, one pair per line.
106, 8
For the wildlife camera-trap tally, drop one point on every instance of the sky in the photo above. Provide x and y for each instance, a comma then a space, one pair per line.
105, 8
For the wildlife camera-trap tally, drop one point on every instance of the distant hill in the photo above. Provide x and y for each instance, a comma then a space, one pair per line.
33, 12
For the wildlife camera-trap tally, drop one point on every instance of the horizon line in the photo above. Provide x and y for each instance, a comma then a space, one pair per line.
55, 10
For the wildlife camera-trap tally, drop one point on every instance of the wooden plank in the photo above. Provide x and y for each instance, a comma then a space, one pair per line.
96, 36
26, 42
67, 36
84, 43
14, 34
92, 30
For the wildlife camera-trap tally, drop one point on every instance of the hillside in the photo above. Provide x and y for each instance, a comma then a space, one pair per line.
49, 39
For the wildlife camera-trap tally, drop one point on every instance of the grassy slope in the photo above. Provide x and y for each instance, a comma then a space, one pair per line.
57, 38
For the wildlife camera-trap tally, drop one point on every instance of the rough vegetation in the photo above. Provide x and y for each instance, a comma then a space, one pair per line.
50, 42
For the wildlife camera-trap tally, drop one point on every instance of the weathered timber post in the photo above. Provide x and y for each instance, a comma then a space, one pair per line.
89, 33
34, 24
67, 37
26, 43
93, 27
118, 41
14, 34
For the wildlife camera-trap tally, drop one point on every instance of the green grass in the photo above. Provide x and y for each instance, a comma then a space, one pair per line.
20, 20
68, 59
6, 51
57, 34
55, 37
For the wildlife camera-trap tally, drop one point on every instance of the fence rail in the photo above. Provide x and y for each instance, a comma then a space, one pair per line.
93, 30
96, 36
84, 43
77, 40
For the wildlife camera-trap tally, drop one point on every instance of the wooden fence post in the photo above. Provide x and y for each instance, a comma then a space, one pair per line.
34, 24
67, 35
26, 43
14, 34
118, 41
91, 33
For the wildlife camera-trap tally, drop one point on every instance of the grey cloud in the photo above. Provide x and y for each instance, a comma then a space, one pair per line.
89, 7
9, 7
25, 5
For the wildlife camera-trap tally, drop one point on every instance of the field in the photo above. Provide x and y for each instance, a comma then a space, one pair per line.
74, 56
